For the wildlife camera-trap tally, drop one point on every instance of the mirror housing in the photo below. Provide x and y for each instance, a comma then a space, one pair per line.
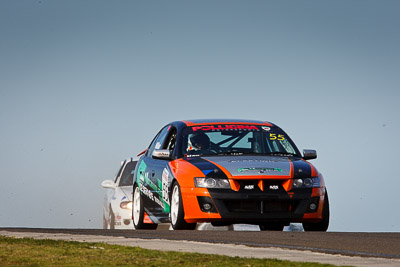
161, 154
309, 154
108, 184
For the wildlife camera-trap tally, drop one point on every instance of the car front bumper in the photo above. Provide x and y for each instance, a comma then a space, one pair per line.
253, 206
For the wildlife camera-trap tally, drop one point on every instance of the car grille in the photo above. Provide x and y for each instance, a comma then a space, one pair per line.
260, 206
273, 199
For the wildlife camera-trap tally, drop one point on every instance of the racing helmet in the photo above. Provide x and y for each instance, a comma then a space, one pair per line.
200, 141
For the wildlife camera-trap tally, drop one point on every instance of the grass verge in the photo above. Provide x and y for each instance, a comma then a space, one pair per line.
35, 252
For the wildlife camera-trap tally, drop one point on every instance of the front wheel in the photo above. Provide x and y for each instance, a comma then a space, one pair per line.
177, 213
138, 211
109, 222
111, 219
105, 224
324, 224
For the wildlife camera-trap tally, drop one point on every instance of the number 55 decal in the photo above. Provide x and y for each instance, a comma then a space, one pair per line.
273, 136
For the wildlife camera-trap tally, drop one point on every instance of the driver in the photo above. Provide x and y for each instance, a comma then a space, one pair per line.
199, 141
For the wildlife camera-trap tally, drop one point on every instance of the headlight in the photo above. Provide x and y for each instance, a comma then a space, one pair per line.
306, 182
126, 205
212, 183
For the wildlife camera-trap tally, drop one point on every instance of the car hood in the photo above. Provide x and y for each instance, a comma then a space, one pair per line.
127, 193
253, 165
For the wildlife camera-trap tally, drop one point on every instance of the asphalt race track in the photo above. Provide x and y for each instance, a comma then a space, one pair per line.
381, 245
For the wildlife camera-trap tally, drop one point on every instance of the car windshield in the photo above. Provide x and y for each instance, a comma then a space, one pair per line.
127, 175
236, 139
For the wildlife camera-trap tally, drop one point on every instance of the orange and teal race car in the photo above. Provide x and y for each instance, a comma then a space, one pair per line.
227, 172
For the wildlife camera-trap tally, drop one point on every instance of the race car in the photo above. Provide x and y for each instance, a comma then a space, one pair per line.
117, 208
227, 172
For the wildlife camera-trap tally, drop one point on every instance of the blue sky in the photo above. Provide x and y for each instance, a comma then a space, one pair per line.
85, 84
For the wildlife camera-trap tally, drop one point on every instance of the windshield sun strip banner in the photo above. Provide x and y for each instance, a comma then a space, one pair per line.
225, 127
190, 124
230, 127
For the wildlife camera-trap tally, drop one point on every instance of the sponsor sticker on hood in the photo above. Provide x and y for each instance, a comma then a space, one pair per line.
260, 170
253, 165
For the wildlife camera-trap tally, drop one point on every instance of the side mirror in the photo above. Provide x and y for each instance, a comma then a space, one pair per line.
161, 154
108, 184
309, 154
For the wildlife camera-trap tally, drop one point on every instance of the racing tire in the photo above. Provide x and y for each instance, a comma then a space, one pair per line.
111, 220
105, 225
177, 213
138, 211
271, 227
323, 225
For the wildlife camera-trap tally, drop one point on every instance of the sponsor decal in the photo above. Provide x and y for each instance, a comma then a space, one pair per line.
274, 187
151, 196
249, 187
192, 155
165, 175
267, 129
251, 160
225, 127
161, 153
147, 192
161, 197
260, 170
279, 137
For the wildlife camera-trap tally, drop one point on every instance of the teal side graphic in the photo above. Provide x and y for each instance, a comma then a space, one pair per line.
141, 171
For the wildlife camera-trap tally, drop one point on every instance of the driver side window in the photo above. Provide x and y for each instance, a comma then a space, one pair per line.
171, 140
159, 140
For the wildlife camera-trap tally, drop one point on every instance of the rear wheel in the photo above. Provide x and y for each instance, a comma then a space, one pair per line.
177, 213
324, 224
138, 211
